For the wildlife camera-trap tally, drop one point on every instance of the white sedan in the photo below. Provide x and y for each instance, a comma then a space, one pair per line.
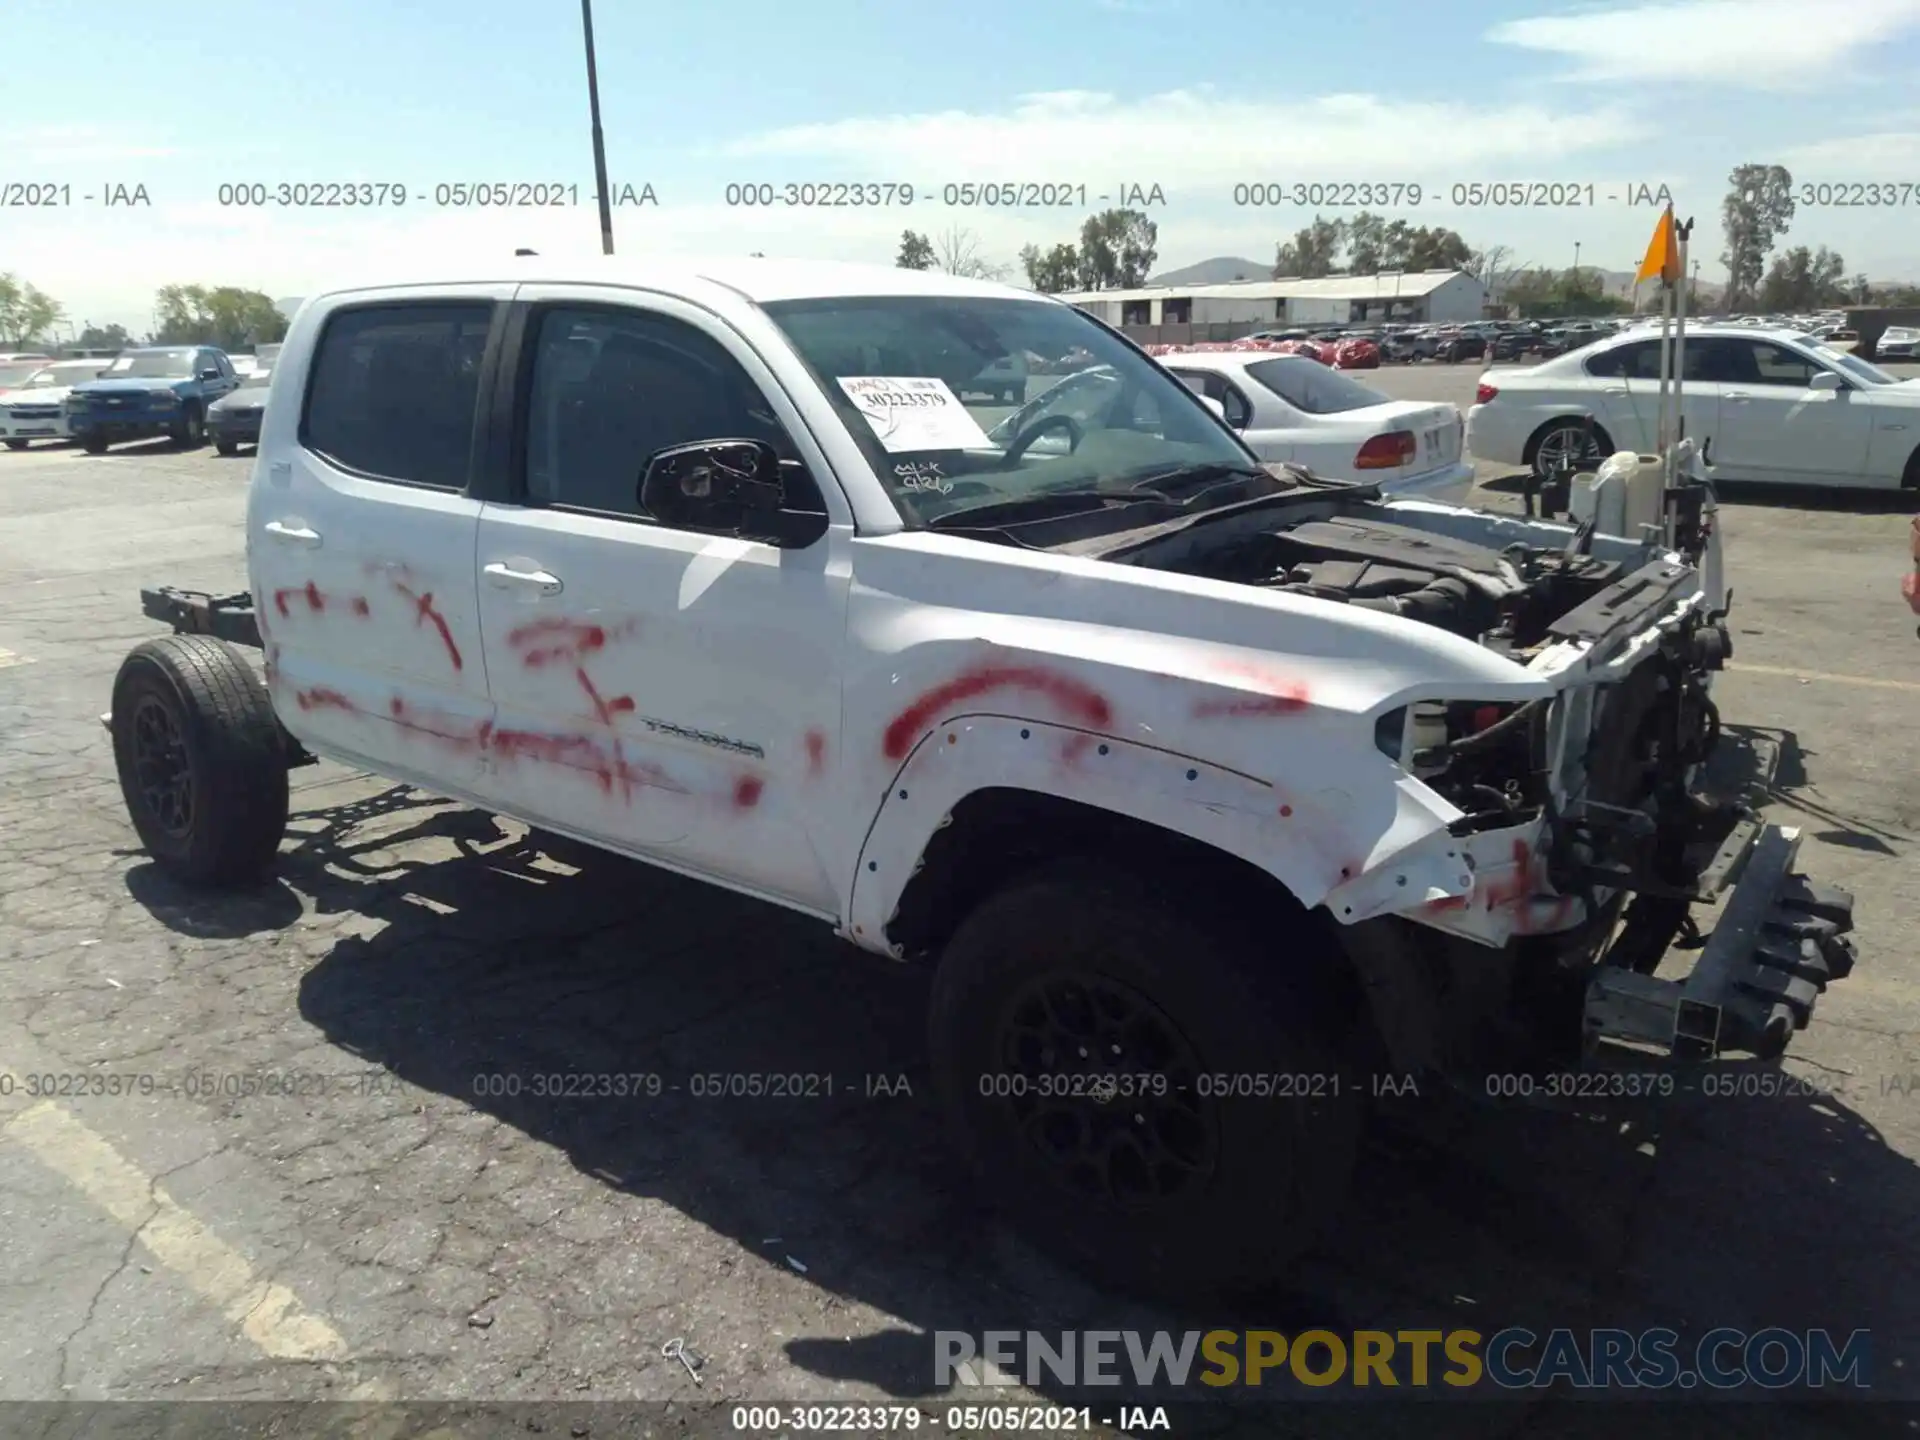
1776, 405
35, 409
1287, 407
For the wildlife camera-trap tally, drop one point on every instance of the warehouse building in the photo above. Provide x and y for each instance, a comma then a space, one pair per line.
1197, 312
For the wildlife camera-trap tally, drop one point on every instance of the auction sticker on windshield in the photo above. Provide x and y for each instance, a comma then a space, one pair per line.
914, 412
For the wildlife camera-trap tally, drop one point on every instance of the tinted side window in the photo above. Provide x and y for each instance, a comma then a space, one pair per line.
1627, 361
395, 389
1777, 365
612, 388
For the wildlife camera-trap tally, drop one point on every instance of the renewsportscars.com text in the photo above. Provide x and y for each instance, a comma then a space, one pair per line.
1515, 1358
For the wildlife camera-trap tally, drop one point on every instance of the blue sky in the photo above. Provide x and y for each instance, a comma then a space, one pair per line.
1190, 97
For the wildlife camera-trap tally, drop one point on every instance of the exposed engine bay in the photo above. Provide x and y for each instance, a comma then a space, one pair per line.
1611, 772
1505, 597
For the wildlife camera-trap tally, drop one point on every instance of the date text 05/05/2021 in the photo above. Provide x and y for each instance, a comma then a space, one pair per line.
1458, 195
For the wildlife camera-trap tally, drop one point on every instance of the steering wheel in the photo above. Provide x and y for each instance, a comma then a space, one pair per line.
1024, 440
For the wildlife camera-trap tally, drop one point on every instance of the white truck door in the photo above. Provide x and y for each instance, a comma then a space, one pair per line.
675, 695
360, 537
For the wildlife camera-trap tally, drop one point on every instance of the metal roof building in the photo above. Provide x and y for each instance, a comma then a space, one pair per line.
1418, 295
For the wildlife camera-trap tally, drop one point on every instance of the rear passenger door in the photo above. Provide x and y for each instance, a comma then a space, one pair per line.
360, 534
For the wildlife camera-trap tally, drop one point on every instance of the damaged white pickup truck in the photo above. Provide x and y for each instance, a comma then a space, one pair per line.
1215, 791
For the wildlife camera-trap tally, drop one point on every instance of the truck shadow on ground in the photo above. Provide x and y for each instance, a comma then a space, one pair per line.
509, 958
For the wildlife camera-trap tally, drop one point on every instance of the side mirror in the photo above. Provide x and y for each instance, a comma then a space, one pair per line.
733, 487
212, 372
1219, 410
1826, 380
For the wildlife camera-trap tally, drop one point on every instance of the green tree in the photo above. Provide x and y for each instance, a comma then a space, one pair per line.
103, 337
1366, 244
1053, 270
1117, 250
27, 313
1755, 214
1376, 244
222, 315
1542, 294
916, 251
1801, 279
1313, 251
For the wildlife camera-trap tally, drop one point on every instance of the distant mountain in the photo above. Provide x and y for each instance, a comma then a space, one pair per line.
1222, 270
1620, 283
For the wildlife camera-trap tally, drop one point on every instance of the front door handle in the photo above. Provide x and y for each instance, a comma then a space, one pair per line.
1621, 393
1739, 395
505, 576
292, 534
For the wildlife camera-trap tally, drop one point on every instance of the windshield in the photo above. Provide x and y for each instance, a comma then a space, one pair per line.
1311, 387
64, 374
152, 365
900, 371
1857, 367
16, 372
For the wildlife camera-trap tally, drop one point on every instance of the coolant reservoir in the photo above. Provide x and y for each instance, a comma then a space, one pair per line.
1643, 490
1601, 498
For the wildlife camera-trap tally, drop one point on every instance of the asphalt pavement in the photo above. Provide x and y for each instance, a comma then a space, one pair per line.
382, 1223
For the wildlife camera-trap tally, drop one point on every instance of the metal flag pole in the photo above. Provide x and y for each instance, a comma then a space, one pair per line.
599, 139
1661, 438
1682, 234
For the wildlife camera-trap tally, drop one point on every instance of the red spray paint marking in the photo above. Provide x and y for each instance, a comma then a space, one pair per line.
1445, 903
588, 754
816, 754
1079, 700
560, 641
1516, 888
309, 592
1277, 695
458, 735
424, 611
360, 606
1074, 749
746, 791
323, 698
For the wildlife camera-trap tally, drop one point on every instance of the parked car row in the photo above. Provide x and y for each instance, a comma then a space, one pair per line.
1775, 406
188, 393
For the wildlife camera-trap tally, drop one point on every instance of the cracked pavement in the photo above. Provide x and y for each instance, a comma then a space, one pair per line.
388, 1225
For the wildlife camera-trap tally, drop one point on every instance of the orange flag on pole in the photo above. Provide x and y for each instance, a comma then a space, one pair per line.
1663, 252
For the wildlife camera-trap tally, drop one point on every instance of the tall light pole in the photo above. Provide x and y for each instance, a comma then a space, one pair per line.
599, 139
1576, 262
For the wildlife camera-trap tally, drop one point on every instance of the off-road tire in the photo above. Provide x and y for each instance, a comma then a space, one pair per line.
191, 432
1276, 1167
229, 744
93, 445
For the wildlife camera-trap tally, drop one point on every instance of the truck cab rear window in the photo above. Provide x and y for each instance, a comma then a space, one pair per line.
395, 389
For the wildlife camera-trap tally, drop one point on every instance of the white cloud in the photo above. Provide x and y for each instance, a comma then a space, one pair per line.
1753, 43
105, 265
1890, 155
1186, 139
59, 145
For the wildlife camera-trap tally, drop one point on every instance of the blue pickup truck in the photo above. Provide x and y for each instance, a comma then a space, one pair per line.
156, 390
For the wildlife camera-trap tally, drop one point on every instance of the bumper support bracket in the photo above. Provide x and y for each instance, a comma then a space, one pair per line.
1780, 941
